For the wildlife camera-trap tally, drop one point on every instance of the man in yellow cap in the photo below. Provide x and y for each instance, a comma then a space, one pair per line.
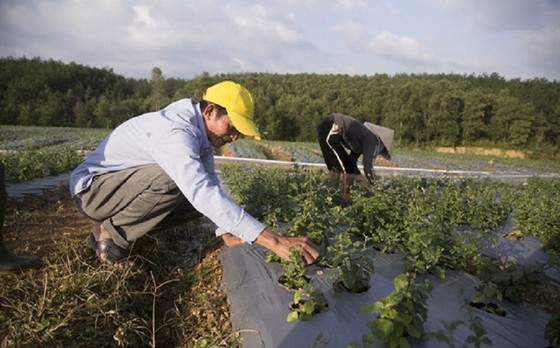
161, 163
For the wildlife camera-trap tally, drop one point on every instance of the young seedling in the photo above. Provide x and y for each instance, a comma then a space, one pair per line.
352, 262
294, 277
307, 300
400, 315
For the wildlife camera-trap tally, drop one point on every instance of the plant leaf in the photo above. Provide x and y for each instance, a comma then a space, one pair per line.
384, 327
293, 316
401, 282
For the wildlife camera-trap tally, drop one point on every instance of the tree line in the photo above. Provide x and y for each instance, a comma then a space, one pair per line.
424, 109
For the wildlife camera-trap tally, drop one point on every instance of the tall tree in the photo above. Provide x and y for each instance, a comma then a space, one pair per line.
476, 117
444, 115
157, 99
512, 121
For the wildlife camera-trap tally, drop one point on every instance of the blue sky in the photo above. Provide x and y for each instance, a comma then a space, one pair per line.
514, 38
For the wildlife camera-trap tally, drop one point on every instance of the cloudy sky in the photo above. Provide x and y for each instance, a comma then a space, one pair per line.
514, 38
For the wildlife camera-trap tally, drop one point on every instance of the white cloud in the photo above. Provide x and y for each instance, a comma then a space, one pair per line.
185, 38
142, 16
402, 48
149, 31
384, 44
263, 25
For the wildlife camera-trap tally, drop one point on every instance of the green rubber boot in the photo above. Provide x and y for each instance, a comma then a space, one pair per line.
8, 261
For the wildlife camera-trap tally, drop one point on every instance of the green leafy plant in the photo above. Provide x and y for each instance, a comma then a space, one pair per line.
481, 204
317, 200
294, 271
536, 211
505, 280
351, 261
434, 222
425, 229
379, 214
307, 302
400, 315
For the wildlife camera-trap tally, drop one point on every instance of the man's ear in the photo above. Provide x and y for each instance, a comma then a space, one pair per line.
208, 111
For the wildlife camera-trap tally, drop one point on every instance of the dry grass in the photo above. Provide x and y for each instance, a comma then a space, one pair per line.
173, 298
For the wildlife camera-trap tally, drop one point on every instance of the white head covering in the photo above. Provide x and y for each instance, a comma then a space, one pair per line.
386, 137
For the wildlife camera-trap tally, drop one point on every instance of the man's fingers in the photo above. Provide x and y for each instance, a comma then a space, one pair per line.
308, 249
314, 253
310, 258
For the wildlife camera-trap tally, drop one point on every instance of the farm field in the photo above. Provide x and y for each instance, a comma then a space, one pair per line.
431, 236
436, 226
35, 152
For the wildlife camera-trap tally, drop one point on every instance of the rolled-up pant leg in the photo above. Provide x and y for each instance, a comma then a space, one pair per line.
131, 202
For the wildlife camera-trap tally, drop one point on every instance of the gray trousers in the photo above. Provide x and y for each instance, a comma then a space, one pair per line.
135, 201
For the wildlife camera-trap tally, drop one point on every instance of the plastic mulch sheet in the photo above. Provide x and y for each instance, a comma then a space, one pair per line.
524, 252
18, 191
259, 307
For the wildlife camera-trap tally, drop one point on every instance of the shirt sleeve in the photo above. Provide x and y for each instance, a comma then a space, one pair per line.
179, 155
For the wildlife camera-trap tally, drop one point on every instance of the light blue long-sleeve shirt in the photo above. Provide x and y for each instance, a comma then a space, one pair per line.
175, 138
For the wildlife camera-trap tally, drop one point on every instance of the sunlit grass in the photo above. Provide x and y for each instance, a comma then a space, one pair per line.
172, 297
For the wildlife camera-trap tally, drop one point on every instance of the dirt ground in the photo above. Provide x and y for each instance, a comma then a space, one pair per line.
37, 224
40, 224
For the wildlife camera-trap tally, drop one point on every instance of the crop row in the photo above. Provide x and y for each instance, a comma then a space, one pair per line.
17, 138
437, 224
35, 152
295, 152
441, 204
245, 149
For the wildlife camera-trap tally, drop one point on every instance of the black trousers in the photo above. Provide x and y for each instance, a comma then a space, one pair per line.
334, 152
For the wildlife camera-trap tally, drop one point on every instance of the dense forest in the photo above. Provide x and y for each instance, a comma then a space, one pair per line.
424, 109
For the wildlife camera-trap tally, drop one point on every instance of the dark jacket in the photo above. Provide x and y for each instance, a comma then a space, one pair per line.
357, 138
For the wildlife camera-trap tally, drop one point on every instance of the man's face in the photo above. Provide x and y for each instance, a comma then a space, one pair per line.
220, 130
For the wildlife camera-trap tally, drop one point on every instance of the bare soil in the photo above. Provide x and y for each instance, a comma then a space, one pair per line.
39, 225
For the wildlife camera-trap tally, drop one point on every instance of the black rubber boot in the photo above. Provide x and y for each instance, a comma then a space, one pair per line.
8, 261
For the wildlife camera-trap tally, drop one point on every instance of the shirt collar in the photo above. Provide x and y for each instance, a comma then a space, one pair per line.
200, 124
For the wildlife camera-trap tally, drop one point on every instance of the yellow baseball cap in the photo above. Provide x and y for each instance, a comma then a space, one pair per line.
239, 104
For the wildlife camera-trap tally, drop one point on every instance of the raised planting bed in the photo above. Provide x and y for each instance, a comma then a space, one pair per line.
439, 267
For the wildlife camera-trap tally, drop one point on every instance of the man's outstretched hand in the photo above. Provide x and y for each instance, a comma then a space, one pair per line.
282, 246
279, 245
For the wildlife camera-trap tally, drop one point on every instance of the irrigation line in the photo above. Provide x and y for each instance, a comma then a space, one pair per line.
387, 171
17, 191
